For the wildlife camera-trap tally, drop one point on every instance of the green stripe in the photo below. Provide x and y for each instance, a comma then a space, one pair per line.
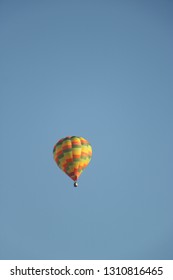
76, 146
76, 159
60, 156
58, 144
67, 150
84, 145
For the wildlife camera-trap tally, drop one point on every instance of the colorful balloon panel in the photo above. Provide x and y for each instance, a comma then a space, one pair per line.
72, 154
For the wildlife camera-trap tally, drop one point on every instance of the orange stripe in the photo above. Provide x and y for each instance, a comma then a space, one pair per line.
69, 160
59, 153
68, 146
76, 156
75, 142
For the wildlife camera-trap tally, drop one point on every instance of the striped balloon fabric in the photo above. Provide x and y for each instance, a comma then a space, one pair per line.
72, 154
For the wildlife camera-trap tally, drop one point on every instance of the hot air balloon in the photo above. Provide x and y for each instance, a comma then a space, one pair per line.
72, 154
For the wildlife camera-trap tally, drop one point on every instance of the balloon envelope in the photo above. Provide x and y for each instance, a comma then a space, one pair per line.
72, 154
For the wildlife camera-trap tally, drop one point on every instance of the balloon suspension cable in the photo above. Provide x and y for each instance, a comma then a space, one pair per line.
75, 184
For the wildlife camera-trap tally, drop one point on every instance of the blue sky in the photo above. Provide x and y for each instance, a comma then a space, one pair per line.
101, 70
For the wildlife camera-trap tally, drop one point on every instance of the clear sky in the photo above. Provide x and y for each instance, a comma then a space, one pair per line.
101, 70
